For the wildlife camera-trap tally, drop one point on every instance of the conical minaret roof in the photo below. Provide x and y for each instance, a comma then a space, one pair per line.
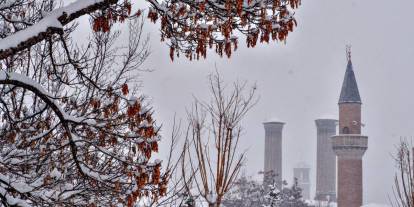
349, 92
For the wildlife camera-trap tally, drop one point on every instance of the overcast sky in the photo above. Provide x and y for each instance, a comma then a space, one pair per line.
300, 82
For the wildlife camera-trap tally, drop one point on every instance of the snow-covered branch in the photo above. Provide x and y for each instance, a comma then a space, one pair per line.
52, 23
73, 131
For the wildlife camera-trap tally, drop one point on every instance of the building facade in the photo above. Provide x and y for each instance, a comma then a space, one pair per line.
302, 175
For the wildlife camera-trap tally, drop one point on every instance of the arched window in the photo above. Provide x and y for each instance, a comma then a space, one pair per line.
345, 130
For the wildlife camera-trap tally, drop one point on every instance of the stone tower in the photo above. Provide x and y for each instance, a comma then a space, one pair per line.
302, 173
325, 160
349, 145
273, 152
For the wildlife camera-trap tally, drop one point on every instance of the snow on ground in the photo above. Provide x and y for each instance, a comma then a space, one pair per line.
314, 203
375, 205
370, 205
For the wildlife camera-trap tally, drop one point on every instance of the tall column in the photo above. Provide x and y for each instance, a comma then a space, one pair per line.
325, 160
350, 149
350, 145
273, 152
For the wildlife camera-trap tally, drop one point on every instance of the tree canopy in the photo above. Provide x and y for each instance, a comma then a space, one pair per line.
74, 130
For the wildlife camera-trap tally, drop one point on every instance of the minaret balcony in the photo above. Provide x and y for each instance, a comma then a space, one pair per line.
349, 145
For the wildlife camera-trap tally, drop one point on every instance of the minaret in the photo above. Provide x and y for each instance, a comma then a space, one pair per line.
273, 152
349, 145
325, 160
302, 173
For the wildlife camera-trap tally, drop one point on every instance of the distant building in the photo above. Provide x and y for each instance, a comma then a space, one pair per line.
349, 145
325, 160
273, 152
339, 157
302, 173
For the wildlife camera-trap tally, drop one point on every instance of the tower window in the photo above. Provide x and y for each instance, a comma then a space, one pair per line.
345, 130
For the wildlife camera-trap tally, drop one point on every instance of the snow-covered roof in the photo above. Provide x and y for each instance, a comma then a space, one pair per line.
328, 117
273, 120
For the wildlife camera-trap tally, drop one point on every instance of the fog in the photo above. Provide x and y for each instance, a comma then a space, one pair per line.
300, 81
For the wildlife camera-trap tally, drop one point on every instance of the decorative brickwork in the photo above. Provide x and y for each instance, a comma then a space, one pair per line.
349, 149
349, 182
350, 117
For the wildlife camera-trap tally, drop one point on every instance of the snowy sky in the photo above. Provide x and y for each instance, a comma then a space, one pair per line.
300, 81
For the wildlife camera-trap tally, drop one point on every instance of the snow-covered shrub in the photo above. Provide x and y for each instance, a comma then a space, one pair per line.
247, 192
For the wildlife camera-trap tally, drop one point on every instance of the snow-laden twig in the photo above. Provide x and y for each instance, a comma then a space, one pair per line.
51, 24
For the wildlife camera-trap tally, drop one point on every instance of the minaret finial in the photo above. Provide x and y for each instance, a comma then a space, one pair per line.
348, 52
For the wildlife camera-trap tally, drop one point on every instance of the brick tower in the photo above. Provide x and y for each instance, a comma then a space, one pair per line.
273, 152
349, 145
325, 160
